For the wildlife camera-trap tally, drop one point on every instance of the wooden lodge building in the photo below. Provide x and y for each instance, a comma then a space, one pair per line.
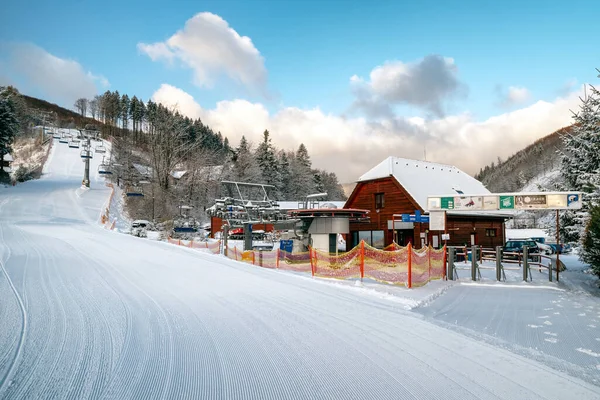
401, 186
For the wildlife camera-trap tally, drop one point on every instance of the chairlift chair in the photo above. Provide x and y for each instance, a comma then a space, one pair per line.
86, 154
133, 192
100, 149
73, 144
103, 169
63, 139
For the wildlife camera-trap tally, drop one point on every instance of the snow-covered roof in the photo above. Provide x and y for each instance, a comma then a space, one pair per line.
423, 178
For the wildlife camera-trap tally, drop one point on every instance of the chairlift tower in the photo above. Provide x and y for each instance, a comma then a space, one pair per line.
86, 173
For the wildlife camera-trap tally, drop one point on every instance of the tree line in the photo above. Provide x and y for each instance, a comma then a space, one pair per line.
187, 159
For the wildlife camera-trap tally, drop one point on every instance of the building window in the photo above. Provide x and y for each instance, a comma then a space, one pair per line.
490, 232
379, 202
364, 235
378, 239
372, 238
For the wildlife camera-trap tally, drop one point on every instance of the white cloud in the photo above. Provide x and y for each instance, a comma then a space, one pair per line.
425, 83
351, 146
518, 95
514, 96
57, 78
210, 47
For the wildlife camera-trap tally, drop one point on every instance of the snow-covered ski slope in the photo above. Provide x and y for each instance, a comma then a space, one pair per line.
87, 313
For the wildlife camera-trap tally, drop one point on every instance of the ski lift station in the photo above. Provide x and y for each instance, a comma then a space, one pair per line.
313, 221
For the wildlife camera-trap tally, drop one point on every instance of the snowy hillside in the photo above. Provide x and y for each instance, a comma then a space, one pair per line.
90, 313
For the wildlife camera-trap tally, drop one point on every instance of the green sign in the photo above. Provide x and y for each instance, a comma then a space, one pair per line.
507, 203
447, 203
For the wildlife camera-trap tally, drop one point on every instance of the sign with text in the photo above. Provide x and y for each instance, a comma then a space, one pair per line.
507, 201
437, 220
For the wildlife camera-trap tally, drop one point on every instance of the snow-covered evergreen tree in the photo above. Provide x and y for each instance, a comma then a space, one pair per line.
580, 164
302, 174
267, 162
285, 174
591, 240
245, 167
9, 126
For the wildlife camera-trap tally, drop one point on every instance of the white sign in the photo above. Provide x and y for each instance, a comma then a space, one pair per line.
445, 236
437, 221
506, 201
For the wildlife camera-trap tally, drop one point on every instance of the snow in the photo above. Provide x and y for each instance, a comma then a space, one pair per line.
90, 313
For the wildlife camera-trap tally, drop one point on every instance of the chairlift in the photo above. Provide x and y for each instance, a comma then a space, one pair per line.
100, 149
63, 139
73, 144
86, 154
133, 192
103, 169
56, 135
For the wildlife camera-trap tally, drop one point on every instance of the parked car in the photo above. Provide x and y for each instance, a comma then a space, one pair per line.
517, 245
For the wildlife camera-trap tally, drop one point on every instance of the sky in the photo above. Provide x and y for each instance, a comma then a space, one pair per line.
461, 83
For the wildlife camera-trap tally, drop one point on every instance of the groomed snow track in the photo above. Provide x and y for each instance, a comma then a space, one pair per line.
86, 313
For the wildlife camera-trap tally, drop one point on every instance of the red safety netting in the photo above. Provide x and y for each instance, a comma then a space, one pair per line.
393, 247
299, 262
342, 266
213, 246
386, 266
420, 267
265, 259
438, 262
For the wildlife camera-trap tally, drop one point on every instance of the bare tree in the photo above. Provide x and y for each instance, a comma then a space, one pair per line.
94, 106
81, 106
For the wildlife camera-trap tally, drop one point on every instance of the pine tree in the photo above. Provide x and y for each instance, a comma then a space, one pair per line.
9, 126
125, 103
591, 240
302, 174
580, 164
285, 175
267, 162
245, 167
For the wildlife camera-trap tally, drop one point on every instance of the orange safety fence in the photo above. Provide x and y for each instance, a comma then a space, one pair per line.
386, 266
214, 247
342, 266
397, 265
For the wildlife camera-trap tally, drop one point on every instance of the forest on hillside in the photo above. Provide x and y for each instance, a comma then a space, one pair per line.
179, 159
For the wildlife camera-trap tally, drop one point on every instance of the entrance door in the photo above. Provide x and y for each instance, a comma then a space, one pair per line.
333, 243
404, 236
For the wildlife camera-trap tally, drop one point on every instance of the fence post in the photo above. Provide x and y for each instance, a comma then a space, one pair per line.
312, 265
525, 263
451, 255
253, 257
277, 260
444, 273
498, 263
409, 248
178, 242
429, 259
362, 259
474, 262
552, 262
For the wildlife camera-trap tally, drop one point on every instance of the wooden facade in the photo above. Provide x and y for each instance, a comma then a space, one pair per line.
464, 229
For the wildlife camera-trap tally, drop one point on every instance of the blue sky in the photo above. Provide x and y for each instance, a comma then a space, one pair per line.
311, 49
